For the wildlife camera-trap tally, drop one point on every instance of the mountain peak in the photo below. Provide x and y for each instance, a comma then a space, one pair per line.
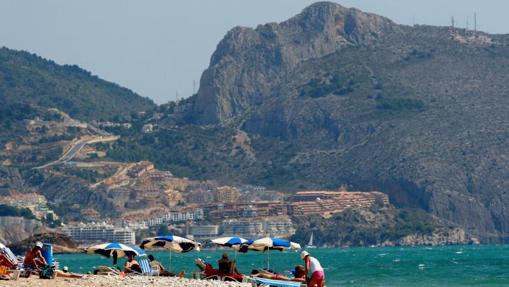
271, 50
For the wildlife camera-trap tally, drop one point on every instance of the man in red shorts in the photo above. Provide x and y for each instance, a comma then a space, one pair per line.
312, 264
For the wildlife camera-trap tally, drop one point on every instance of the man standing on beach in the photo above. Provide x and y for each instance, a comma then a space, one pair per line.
312, 264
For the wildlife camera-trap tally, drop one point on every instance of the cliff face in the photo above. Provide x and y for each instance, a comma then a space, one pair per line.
14, 229
249, 63
336, 96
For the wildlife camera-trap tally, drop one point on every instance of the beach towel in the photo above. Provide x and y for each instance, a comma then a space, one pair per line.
47, 272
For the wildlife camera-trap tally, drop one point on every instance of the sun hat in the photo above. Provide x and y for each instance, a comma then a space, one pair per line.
38, 244
303, 254
65, 269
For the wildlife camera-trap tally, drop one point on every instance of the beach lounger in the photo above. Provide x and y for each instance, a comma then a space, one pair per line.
106, 270
262, 282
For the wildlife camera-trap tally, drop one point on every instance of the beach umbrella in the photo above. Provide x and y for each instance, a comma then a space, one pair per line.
115, 250
236, 243
172, 243
229, 241
272, 243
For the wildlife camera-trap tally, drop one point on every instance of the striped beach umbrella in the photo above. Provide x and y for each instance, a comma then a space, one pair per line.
229, 241
115, 250
272, 243
171, 243
238, 244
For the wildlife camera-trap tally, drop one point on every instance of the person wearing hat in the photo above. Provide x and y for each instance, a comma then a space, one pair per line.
312, 264
34, 259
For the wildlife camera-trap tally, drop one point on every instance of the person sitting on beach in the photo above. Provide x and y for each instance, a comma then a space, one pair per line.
209, 271
34, 259
299, 273
312, 264
227, 266
156, 265
131, 265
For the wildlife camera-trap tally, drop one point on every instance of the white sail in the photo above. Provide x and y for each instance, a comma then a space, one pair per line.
310, 243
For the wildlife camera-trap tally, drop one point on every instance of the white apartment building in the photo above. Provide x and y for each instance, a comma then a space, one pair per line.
101, 232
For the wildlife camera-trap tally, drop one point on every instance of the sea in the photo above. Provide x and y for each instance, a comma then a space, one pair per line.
473, 265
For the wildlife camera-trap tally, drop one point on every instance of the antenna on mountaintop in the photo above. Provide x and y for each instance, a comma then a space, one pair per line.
475, 22
468, 25
177, 95
452, 22
194, 87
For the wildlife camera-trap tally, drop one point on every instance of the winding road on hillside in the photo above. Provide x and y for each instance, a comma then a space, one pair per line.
76, 147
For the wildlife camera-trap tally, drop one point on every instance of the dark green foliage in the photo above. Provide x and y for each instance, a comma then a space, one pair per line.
337, 85
400, 104
26, 79
7, 210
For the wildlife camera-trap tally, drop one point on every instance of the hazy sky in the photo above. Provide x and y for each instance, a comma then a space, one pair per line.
157, 48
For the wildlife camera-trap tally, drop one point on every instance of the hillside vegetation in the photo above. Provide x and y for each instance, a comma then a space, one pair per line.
27, 79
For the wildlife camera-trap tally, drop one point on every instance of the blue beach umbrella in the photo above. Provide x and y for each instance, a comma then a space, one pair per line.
229, 241
237, 243
115, 250
171, 243
272, 243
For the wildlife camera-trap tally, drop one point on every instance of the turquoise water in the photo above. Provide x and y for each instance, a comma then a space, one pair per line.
485, 265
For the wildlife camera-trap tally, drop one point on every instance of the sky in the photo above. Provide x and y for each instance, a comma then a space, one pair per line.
160, 48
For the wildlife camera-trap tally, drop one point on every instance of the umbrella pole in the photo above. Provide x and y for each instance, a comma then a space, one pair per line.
170, 260
268, 260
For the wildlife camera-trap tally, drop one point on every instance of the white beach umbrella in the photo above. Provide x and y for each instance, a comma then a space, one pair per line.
272, 243
171, 243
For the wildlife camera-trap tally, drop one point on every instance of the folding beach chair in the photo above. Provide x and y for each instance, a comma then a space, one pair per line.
262, 282
146, 268
106, 270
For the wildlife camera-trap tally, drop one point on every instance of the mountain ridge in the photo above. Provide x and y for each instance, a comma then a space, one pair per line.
29, 79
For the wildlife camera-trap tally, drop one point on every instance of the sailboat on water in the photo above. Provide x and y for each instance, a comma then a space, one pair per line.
310, 243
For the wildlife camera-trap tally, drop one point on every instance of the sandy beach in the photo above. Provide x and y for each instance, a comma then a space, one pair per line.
114, 281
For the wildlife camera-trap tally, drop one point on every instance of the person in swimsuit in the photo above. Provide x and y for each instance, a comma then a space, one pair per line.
34, 259
299, 273
312, 264
131, 265
227, 266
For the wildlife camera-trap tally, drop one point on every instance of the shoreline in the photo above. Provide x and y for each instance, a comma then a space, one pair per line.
114, 281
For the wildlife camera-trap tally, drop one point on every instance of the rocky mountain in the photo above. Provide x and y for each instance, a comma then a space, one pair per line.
338, 96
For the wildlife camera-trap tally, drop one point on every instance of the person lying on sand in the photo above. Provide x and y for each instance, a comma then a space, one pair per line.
299, 273
64, 273
156, 265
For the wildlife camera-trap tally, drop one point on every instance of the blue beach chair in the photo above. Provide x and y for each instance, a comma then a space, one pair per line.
262, 282
146, 268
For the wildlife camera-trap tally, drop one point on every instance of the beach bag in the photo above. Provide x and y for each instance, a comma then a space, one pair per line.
47, 272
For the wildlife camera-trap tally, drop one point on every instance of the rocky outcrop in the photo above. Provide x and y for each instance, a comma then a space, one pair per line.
249, 63
62, 243
14, 229
438, 237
